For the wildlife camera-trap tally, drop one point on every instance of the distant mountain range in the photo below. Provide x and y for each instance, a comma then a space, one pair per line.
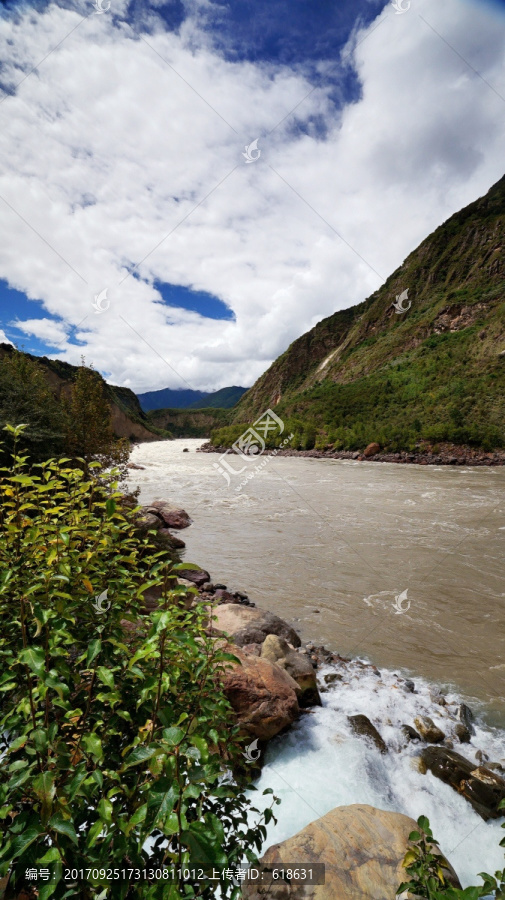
188, 399
423, 359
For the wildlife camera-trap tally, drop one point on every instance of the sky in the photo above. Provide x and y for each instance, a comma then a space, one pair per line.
187, 186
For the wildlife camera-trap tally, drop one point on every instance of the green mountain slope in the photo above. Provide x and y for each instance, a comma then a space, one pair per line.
435, 372
225, 398
128, 418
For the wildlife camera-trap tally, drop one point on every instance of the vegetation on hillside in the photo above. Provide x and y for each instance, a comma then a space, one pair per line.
435, 372
188, 423
114, 728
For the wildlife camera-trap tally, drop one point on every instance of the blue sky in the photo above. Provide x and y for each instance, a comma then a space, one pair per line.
123, 136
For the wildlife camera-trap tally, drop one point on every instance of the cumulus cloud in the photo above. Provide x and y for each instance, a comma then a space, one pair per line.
4, 339
124, 168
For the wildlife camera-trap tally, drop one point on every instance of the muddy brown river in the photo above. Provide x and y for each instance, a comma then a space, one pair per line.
403, 565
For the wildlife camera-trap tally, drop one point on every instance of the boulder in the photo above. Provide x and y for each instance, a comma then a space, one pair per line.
263, 696
166, 539
147, 521
483, 788
173, 516
277, 650
198, 577
371, 450
247, 625
362, 849
428, 730
362, 726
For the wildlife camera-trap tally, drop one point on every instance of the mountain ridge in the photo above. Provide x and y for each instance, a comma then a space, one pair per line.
433, 372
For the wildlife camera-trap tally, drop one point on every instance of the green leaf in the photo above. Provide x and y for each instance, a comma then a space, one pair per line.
138, 756
63, 826
23, 841
105, 676
92, 744
94, 649
173, 735
34, 658
110, 506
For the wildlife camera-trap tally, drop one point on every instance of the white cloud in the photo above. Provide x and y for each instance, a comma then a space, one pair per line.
47, 330
4, 339
110, 155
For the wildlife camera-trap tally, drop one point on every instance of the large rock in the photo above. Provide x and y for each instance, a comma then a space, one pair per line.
277, 650
263, 696
172, 516
199, 577
362, 849
147, 521
371, 450
248, 625
482, 787
362, 726
428, 730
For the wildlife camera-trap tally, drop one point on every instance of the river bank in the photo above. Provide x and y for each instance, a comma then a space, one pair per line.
444, 455
366, 735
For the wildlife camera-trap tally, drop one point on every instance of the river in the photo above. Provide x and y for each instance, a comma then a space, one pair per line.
401, 565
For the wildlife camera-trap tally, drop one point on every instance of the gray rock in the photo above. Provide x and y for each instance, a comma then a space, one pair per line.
410, 733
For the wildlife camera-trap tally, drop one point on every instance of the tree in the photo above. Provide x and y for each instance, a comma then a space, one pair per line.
89, 433
25, 396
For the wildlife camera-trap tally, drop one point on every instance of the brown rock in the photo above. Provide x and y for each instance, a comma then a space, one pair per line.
362, 726
167, 539
146, 521
362, 849
263, 696
482, 787
428, 730
278, 651
248, 625
199, 577
173, 516
371, 450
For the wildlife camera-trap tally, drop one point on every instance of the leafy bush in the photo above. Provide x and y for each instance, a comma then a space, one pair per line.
114, 727
25, 396
424, 864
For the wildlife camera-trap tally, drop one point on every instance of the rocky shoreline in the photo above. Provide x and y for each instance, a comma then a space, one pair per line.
277, 679
445, 455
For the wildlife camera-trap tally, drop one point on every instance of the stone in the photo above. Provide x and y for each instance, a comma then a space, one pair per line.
146, 521
465, 716
333, 677
199, 577
224, 596
173, 516
153, 595
409, 686
410, 733
362, 849
462, 733
362, 726
372, 450
248, 625
208, 586
165, 537
428, 730
278, 651
483, 788
262, 694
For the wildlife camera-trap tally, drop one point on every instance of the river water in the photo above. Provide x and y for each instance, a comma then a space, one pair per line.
400, 565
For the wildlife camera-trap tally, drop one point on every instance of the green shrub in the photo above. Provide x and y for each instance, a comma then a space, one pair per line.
115, 727
424, 865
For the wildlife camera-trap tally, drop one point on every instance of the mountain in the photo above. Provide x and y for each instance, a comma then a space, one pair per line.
189, 399
435, 372
128, 418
